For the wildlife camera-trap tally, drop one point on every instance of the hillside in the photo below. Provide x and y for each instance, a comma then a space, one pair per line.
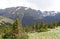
5, 19
52, 34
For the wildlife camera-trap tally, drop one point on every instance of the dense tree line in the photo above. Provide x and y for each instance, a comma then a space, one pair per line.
41, 27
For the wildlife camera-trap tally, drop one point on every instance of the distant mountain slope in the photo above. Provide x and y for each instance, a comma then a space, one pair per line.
21, 12
28, 15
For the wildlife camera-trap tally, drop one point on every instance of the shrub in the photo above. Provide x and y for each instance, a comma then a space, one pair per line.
25, 36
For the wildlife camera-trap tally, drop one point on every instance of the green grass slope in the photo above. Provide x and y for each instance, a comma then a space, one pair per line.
52, 34
5, 19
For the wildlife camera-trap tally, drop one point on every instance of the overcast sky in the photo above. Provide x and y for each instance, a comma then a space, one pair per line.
35, 4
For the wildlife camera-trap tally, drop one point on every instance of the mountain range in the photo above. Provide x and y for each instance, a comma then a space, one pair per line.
29, 16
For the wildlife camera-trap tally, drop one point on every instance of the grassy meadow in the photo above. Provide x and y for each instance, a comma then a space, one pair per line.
51, 34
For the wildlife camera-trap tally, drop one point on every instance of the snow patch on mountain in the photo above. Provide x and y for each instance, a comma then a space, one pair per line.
26, 8
49, 13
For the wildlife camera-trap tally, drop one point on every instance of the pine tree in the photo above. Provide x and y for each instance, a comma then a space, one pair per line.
43, 27
42, 24
51, 25
15, 24
55, 24
17, 28
36, 26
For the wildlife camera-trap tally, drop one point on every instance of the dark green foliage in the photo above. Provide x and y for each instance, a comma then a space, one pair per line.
16, 31
15, 24
13, 32
52, 25
58, 23
25, 36
9, 36
37, 27
5, 36
42, 27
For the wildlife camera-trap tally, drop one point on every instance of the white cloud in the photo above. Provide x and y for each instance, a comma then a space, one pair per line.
14, 3
57, 5
54, 7
35, 4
